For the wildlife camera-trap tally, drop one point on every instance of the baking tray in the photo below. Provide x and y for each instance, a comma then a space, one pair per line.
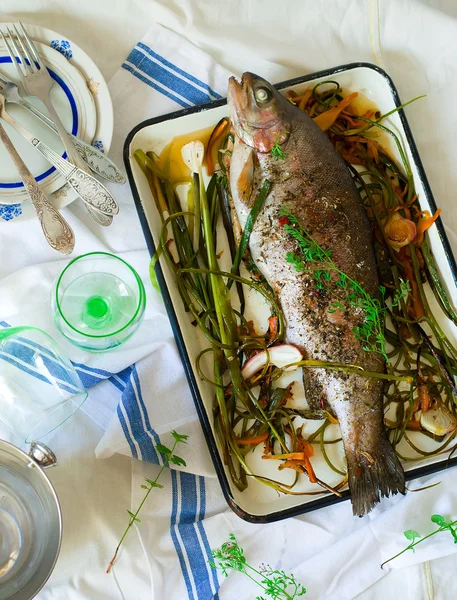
259, 504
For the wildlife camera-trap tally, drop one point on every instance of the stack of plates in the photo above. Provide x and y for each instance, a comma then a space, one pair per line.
82, 99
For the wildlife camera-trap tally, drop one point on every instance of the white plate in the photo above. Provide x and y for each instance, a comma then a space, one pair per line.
75, 106
259, 503
90, 91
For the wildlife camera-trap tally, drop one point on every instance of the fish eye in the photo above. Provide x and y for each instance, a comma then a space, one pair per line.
263, 95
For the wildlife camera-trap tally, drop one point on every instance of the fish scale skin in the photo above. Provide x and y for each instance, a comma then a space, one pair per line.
314, 184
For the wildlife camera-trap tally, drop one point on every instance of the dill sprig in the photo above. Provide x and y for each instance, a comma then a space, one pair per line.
275, 584
354, 295
277, 152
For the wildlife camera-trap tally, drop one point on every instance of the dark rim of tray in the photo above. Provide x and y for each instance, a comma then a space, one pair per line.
206, 426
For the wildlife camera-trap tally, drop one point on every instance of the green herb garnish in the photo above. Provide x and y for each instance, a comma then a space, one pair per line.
416, 538
277, 152
276, 584
169, 457
353, 294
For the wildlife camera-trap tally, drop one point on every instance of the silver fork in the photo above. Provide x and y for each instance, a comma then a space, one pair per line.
37, 82
98, 162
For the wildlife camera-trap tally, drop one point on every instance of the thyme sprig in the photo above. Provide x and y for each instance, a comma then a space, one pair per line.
275, 584
169, 457
353, 295
415, 538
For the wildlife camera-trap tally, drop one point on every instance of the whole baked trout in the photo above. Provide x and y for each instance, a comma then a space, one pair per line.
312, 183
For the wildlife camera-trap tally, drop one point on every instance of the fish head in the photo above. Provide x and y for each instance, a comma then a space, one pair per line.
259, 113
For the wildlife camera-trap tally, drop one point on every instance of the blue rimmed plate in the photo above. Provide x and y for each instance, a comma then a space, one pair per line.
83, 101
76, 107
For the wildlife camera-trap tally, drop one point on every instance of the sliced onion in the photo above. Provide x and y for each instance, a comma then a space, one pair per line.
399, 231
438, 421
280, 356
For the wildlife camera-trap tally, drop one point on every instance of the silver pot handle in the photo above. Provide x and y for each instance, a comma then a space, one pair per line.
42, 455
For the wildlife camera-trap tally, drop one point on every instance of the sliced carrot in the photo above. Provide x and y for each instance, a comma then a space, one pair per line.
289, 456
424, 396
413, 425
273, 329
424, 224
417, 307
332, 419
326, 119
297, 465
373, 150
252, 441
303, 100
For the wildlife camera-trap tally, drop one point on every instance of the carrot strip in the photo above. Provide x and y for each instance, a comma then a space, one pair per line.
311, 474
289, 456
424, 396
424, 224
297, 465
253, 441
274, 325
304, 99
332, 419
326, 119
413, 425
417, 306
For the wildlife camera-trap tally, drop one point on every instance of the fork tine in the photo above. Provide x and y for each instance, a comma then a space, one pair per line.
14, 60
16, 55
25, 57
30, 44
8, 47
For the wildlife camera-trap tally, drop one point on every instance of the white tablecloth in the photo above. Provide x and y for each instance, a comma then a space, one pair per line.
240, 34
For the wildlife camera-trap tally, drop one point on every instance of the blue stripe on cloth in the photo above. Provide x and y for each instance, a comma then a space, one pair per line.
125, 374
154, 85
187, 528
88, 379
22, 349
89, 376
103, 374
126, 432
132, 402
204, 537
174, 535
142, 405
172, 82
178, 70
118, 384
36, 374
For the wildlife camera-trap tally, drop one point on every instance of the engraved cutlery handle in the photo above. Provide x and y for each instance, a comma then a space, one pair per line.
89, 189
57, 232
96, 160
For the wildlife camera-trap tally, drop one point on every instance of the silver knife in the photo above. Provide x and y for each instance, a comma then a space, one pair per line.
98, 162
88, 188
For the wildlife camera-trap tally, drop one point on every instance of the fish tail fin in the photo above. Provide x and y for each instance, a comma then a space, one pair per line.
372, 475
